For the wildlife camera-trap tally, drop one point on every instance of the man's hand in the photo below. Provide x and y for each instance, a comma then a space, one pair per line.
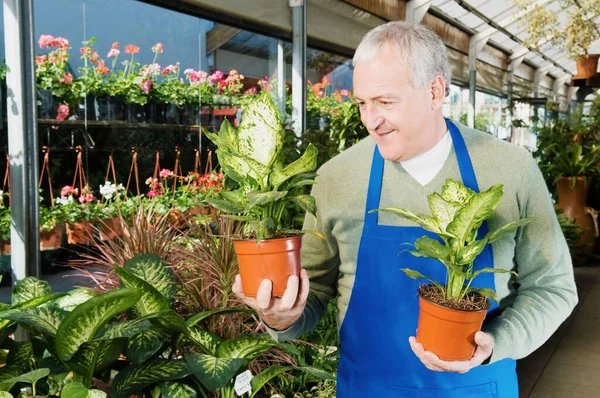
278, 313
485, 345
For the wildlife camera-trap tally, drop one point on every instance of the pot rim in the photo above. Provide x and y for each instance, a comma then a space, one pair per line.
455, 309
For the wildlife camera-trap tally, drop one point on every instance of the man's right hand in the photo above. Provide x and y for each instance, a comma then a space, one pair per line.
278, 313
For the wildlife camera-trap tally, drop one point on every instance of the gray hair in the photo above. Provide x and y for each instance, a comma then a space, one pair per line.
419, 48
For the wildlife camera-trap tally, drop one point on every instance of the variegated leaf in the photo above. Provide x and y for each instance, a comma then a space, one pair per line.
94, 356
229, 135
206, 314
468, 253
485, 292
144, 345
170, 321
137, 377
259, 380
74, 390
211, 371
209, 342
29, 288
258, 198
155, 271
21, 355
124, 329
442, 210
306, 202
44, 319
6, 324
426, 222
6, 373
509, 228
432, 248
454, 191
417, 275
480, 208
245, 347
151, 301
224, 205
83, 323
174, 389
74, 298
260, 135
306, 163
493, 270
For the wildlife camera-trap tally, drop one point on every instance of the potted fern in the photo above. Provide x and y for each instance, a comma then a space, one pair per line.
452, 312
264, 196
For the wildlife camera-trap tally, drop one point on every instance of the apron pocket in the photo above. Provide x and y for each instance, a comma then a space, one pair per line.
487, 390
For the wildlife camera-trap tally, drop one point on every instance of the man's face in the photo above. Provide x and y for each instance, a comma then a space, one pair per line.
398, 116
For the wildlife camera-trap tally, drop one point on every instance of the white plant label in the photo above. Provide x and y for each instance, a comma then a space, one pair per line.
242, 383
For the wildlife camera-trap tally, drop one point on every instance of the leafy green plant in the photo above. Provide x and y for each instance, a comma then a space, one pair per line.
457, 214
250, 156
571, 231
132, 331
568, 148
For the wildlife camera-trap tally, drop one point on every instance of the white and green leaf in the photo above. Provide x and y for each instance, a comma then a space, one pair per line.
213, 372
175, 389
144, 345
151, 300
443, 211
137, 377
152, 269
432, 248
507, 229
426, 222
45, 319
306, 163
29, 288
87, 319
209, 342
306, 202
467, 254
245, 347
456, 192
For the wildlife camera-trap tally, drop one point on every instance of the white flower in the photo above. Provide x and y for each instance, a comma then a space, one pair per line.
64, 201
108, 190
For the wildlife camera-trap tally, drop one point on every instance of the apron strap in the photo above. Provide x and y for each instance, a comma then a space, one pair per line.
462, 156
374, 191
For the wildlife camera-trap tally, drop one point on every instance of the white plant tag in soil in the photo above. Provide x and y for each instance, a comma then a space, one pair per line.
242, 383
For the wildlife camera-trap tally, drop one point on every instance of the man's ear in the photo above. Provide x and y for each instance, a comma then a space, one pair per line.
438, 92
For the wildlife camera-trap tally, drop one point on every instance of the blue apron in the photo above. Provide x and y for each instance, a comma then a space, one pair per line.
376, 358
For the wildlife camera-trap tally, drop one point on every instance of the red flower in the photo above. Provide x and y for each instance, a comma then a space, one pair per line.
45, 40
68, 80
94, 57
41, 59
115, 45
101, 68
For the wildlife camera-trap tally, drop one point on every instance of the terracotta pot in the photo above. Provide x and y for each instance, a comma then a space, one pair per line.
5, 247
573, 202
587, 66
79, 233
196, 211
110, 228
51, 240
274, 259
447, 332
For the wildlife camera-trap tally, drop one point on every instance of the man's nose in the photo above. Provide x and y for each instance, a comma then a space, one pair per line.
374, 121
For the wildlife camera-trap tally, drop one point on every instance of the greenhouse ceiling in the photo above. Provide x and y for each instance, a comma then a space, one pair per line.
504, 21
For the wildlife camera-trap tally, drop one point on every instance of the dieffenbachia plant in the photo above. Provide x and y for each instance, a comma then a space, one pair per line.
250, 156
457, 214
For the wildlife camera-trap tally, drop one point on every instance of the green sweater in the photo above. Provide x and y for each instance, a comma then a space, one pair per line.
538, 251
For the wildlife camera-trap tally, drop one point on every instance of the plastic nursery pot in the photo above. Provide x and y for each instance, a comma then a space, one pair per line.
273, 259
447, 332
52, 239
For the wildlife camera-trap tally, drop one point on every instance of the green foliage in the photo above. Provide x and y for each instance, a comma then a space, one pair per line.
568, 148
457, 215
250, 156
571, 231
153, 351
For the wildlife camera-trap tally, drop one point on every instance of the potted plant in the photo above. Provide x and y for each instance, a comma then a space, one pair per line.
110, 209
52, 220
79, 210
452, 312
575, 37
52, 77
568, 153
266, 191
5, 221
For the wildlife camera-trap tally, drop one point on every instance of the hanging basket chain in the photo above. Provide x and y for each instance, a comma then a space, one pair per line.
46, 170
133, 170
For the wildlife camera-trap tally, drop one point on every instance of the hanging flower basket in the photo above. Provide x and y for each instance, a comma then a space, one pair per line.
587, 66
5, 247
52, 239
110, 228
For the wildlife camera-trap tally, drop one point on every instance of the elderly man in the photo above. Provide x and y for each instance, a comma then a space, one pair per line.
401, 77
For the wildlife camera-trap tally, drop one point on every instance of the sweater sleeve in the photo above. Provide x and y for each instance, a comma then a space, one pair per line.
319, 256
547, 293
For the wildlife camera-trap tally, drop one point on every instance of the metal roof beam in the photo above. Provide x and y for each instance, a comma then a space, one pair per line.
416, 10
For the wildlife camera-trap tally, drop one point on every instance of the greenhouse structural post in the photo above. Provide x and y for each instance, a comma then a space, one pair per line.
22, 138
298, 65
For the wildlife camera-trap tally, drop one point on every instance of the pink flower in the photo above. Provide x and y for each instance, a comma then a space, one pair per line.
146, 85
154, 193
345, 93
86, 198
41, 59
233, 72
189, 71
217, 76
251, 91
68, 190
115, 45
150, 70
63, 112
102, 68
158, 48
203, 76
165, 173
113, 52
45, 40
94, 57
169, 69
68, 80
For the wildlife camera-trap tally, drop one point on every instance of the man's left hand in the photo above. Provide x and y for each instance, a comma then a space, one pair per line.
485, 345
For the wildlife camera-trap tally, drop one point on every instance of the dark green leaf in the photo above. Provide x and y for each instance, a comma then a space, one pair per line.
211, 371
174, 389
44, 319
205, 314
83, 323
306, 202
417, 275
245, 347
74, 390
144, 345
225, 205
137, 377
151, 300
124, 329
209, 342
152, 269
94, 356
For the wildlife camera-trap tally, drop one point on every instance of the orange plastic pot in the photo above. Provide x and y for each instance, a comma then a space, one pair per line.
447, 332
273, 259
52, 239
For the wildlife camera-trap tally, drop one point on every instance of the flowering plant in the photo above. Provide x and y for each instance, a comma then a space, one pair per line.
201, 89
51, 69
112, 195
172, 89
78, 207
93, 73
130, 83
5, 219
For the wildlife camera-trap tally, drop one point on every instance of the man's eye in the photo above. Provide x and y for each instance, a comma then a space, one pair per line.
385, 103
